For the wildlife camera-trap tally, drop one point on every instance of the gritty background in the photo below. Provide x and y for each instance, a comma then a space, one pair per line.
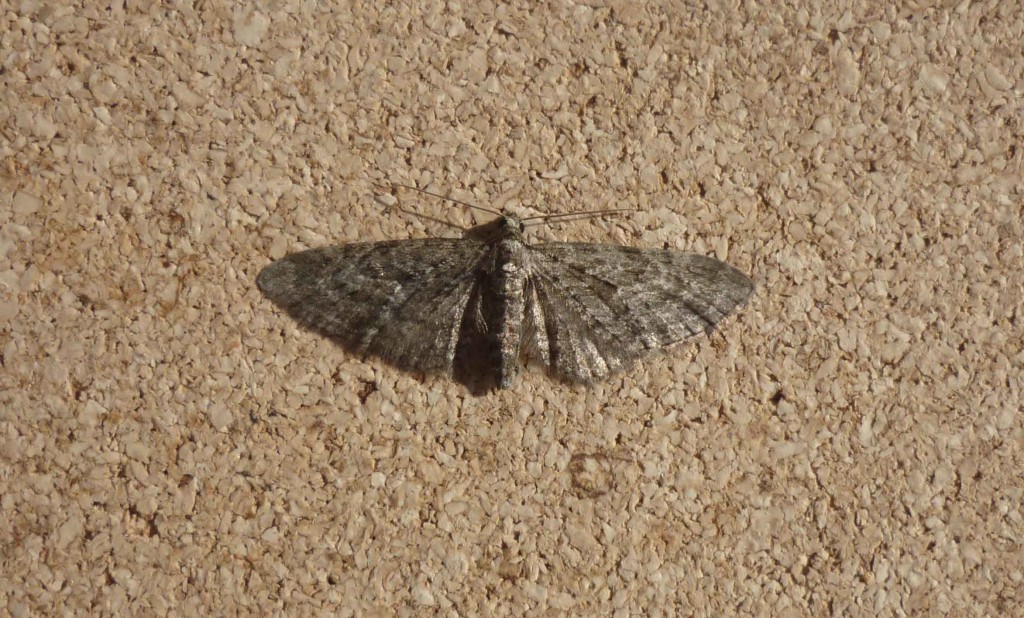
849, 443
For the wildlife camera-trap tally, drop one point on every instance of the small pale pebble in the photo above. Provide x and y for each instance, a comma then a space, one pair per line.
785, 450
70, 531
43, 127
423, 595
26, 203
1004, 420
185, 97
866, 432
996, 79
849, 73
932, 79
138, 451
104, 90
8, 311
823, 125
250, 31
387, 199
91, 413
220, 416
893, 351
278, 248
102, 114
8, 278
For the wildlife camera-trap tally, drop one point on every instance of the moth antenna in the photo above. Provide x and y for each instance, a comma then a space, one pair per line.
450, 199
419, 215
566, 215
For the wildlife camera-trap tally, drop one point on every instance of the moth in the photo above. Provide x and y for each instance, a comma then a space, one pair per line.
493, 302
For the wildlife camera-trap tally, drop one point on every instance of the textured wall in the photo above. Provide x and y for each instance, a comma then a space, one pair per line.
850, 442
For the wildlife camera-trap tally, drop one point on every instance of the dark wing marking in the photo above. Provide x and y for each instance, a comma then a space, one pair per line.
402, 301
593, 309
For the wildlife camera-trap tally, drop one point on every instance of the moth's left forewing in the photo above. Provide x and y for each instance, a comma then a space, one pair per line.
593, 309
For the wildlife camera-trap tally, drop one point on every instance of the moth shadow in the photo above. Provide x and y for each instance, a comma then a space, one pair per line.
472, 366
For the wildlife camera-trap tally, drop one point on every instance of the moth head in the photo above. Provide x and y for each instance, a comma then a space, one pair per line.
511, 226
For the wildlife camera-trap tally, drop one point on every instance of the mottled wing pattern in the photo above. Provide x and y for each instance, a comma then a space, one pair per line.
593, 309
402, 301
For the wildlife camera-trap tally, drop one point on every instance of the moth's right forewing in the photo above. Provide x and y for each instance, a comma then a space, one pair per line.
400, 300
